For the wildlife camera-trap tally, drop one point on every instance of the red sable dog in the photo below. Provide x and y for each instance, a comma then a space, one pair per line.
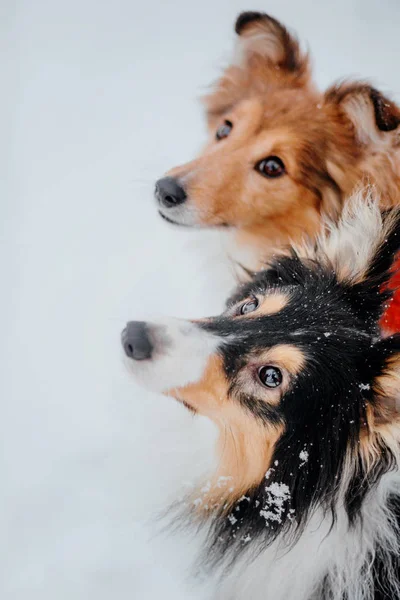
281, 154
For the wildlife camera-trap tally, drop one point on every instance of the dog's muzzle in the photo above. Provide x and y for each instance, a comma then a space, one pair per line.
167, 353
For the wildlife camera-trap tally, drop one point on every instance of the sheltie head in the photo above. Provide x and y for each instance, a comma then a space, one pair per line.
280, 153
304, 390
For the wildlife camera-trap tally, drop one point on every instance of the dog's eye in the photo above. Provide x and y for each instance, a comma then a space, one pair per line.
249, 306
272, 166
270, 376
224, 130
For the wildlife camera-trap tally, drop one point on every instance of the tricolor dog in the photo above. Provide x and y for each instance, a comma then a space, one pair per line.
304, 503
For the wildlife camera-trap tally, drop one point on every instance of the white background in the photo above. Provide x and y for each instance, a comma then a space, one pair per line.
98, 100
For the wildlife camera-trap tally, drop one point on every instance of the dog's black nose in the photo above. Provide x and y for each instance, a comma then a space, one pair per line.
169, 193
135, 340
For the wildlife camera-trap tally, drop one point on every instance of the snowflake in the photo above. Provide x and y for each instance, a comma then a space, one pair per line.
206, 488
277, 495
232, 519
364, 386
223, 481
303, 457
244, 498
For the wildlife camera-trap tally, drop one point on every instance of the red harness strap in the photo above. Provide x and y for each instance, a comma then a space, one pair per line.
390, 321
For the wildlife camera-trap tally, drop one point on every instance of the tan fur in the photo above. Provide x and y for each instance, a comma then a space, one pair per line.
329, 143
390, 382
284, 355
270, 304
383, 418
245, 445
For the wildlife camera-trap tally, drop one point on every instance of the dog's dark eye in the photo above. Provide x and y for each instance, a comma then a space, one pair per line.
224, 130
270, 376
249, 306
272, 166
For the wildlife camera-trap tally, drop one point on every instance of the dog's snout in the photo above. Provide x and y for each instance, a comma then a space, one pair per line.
169, 192
136, 342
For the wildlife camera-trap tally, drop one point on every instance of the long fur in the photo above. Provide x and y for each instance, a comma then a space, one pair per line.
321, 497
329, 143
305, 501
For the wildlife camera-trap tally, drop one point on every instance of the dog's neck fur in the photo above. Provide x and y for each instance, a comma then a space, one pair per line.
328, 561
261, 240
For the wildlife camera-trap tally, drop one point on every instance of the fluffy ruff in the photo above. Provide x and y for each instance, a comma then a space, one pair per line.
305, 502
390, 321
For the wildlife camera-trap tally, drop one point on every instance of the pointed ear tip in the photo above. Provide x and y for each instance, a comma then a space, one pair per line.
386, 111
247, 17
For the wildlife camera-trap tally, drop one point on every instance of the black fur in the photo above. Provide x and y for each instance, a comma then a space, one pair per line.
335, 325
248, 17
387, 115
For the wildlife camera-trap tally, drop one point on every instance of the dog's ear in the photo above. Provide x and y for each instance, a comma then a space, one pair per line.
265, 54
380, 387
263, 37
373, 116
384, 360
383, 397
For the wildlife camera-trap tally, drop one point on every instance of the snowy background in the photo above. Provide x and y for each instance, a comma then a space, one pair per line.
98, 100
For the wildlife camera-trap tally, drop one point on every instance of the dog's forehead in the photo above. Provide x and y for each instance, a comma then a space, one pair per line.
278, 105
286, 102
287, 106
294, 294
280, 277
290, 122
319, 324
